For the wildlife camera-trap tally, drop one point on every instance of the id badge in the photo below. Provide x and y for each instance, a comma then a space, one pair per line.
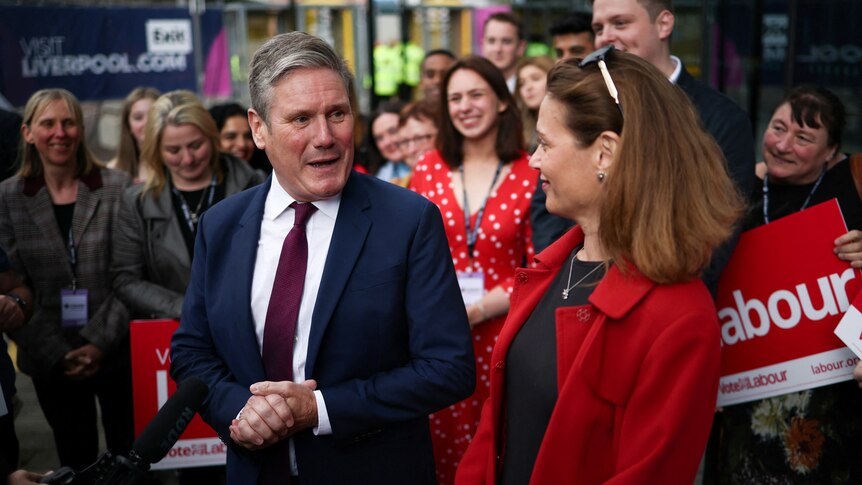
73, 306
472, 285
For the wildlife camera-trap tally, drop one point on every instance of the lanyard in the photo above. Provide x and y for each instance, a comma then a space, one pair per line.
192, 217
473, 233
73, 258
804, 204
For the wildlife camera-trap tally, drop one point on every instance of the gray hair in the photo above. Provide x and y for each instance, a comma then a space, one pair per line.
285, 53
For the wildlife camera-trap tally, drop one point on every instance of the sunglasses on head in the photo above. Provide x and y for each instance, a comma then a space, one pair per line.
598, 56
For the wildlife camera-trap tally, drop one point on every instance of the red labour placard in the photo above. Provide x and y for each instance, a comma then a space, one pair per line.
199, 445
779, 300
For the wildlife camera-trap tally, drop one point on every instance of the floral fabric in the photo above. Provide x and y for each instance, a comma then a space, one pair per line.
813, 436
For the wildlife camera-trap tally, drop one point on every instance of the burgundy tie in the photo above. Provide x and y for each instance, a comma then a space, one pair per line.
280, 328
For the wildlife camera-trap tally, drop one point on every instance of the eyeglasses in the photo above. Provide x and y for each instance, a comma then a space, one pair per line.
598, 56
416, 139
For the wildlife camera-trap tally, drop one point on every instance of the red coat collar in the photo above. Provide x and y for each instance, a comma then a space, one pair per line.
617, 293
92, 179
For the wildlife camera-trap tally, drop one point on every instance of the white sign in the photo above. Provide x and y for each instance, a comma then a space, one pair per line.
794, 375
169, 36
849, 329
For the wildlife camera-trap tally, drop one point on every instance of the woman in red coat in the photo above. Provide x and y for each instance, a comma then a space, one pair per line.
607, 368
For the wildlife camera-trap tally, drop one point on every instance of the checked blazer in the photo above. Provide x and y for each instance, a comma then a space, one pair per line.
30, 235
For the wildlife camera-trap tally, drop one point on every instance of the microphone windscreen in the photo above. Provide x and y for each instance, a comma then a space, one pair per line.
157, 439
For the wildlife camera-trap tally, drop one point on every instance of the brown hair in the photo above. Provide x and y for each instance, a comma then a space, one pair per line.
653, 7
529, 116
424, 109
175, 108
510, 138
816, 106
668, 201
30, 160
128, 151
506, 18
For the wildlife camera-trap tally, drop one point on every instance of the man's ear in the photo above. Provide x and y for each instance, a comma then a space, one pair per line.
522, 47
259, 130
608, 144
664, 24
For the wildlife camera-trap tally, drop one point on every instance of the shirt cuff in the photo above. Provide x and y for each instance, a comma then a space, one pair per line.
323, 426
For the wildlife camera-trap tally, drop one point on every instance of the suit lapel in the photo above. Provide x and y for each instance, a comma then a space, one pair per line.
348, 238
244, 254
85, 207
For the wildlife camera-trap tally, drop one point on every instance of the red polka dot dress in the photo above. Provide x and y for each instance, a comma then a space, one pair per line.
503, 244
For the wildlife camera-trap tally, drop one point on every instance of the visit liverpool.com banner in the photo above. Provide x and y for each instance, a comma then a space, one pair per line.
779, 299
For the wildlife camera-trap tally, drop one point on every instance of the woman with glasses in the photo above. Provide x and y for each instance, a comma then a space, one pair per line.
810, 436
607, 368
480, 179
387, 161
417, 129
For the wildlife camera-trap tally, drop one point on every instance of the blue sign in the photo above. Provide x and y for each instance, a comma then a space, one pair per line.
99, 53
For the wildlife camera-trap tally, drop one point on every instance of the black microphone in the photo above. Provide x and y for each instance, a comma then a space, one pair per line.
155, 441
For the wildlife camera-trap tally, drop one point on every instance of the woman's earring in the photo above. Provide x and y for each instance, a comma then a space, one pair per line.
601, 176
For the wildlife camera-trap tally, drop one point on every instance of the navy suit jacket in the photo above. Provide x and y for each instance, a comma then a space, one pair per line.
389, 341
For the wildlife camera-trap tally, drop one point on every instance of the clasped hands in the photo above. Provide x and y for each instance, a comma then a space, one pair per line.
85, 361
275, 411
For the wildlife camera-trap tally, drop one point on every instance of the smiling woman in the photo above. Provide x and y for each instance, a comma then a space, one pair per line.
57, 218
816, 437
480, 180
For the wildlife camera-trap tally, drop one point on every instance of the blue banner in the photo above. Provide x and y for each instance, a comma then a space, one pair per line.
100, 53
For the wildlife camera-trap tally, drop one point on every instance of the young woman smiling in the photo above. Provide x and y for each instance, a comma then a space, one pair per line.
480, 179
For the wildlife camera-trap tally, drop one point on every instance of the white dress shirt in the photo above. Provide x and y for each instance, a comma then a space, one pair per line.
674, 76
276, 223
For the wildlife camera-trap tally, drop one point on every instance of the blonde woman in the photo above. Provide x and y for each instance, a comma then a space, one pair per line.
133, 121
532, 75
57, 218
158, 219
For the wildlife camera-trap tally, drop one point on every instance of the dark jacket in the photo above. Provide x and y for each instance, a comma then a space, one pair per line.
150, 262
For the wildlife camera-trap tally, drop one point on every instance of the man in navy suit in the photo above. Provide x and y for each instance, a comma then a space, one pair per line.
381, 337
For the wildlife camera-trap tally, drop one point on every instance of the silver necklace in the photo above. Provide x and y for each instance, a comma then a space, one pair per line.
569, 281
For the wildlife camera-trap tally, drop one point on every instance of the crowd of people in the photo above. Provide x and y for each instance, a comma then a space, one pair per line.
516, 285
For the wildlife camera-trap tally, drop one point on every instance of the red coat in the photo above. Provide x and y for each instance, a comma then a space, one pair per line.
636, 396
